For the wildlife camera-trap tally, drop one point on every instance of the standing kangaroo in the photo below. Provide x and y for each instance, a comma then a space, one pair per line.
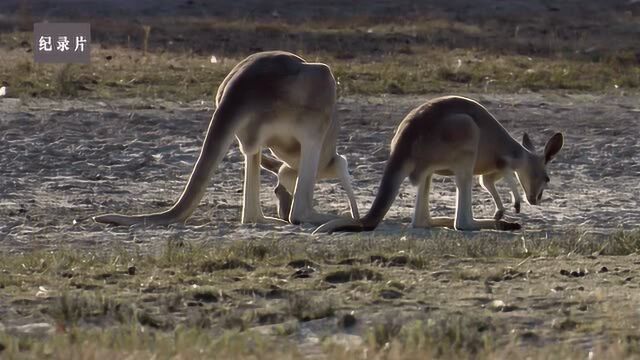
455, 136
279, 101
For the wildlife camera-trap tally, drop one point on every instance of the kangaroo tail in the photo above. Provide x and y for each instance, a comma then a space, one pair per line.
395, 172
216, 144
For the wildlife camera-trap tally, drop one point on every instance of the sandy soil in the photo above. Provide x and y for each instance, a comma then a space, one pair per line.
62, 161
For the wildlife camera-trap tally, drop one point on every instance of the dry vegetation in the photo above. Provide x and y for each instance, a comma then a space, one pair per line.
441, 295
370, 53
385, 299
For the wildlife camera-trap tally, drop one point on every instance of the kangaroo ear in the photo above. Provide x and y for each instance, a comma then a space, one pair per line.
553, 146
526, 142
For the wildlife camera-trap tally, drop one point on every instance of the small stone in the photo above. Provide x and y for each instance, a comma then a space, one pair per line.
574, 273
303, 273
378, 259
603, 269
66, 274
566, 324
400, 260
42, 292
501, 306
131, 270
497, 305
390, 294
395, 284
300, 263
347, 320
529, 336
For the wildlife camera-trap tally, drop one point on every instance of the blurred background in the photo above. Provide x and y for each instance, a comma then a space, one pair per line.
182, 49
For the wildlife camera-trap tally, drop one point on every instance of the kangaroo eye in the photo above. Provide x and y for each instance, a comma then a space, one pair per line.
546, 179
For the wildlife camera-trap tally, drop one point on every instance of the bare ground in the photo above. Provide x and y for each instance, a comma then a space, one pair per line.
66, 160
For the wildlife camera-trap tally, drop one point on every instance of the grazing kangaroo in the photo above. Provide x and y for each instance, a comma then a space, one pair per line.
279, 101
455, 136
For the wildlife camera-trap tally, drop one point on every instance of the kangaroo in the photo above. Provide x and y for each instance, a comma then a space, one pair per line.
453, 136
275, 100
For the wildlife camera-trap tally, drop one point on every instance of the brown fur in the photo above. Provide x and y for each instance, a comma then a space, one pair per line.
454, 136
275, 100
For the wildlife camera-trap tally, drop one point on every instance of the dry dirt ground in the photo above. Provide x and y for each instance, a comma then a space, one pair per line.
62, 161
65, 160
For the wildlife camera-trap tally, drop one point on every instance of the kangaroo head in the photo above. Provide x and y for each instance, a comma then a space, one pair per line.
532, 172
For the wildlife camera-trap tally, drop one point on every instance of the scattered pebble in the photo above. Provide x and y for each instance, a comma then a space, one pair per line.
578, 273
42, 292
399, 260
574, 273
603, 269
347, 320
206, 296
303, 273
390, 294
67, 274
378, 259
131, 270
501, 306
566, 324
529, 336
300, 263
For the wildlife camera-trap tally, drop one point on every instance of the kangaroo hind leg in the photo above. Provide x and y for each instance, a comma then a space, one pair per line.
302, 208
251, 209
421, 215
